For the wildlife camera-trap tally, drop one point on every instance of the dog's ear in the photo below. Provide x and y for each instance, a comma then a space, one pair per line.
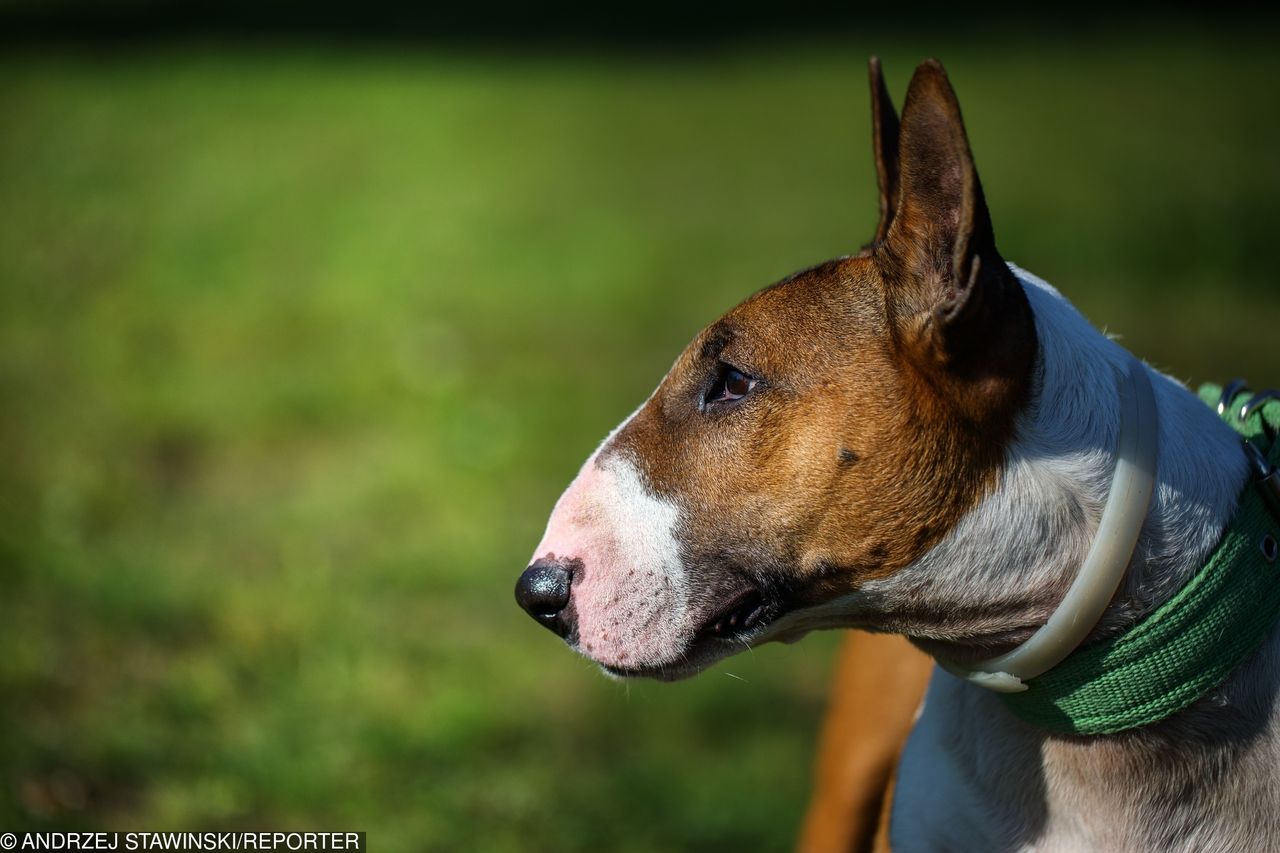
958, 310
884, 142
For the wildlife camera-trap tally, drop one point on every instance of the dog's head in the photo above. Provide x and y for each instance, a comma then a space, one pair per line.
826, 432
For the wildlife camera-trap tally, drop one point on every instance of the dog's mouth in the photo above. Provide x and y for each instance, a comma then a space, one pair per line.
729, 629
746, 611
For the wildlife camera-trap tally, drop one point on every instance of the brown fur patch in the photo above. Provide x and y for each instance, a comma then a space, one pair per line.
917, 352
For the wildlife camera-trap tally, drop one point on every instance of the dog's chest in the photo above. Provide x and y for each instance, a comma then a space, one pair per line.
957, 788
973, 778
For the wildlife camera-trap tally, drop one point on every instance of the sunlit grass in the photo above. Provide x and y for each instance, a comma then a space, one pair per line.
297, 349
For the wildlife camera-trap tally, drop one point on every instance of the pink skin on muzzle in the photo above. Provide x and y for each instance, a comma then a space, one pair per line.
629, 594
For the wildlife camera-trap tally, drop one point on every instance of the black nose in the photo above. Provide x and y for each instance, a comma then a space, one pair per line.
543, 591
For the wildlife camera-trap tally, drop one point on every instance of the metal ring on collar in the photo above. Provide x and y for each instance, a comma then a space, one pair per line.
1229, 392
1257, 401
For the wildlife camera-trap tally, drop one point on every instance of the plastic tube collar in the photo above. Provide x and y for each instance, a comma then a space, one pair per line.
1104, 567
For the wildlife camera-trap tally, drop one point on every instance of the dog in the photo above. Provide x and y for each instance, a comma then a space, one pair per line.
921, 439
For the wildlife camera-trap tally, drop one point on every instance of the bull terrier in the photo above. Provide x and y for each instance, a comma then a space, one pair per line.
922, 439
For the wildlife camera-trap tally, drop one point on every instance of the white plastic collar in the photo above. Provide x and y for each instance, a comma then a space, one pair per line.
1109, 555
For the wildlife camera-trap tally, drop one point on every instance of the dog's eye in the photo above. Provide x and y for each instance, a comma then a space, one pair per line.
731, 385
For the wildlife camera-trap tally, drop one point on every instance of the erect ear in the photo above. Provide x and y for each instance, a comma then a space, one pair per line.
884, 142
958, 310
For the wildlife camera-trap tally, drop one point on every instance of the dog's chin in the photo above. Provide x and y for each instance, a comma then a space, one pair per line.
703, 651
698, 657
675, 672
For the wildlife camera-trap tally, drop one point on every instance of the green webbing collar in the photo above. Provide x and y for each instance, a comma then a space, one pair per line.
1192, 642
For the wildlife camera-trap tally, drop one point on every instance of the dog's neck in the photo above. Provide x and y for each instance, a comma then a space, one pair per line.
1003, 569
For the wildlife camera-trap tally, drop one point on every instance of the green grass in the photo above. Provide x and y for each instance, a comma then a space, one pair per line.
298, 347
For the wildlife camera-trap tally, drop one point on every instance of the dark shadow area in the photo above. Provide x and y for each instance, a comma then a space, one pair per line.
506, 23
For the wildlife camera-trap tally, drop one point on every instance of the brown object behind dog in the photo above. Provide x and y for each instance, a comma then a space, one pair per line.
879, 683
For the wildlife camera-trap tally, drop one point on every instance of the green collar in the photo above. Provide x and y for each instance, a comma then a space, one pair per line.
1190, 644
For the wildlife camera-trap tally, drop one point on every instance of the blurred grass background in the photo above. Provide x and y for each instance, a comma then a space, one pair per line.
298, 345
